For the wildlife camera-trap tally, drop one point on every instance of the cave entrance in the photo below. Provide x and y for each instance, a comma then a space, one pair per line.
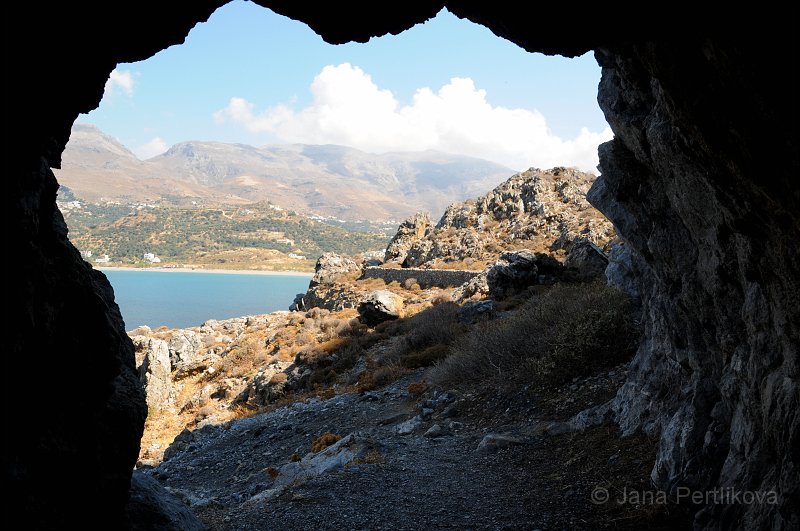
350, 140
209, 157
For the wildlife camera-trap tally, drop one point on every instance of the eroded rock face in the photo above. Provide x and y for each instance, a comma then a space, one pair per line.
155, 374
409, 232
86, 409
686, 188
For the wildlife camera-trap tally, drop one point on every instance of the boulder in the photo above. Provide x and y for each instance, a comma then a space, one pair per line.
408, 427
477, 286
331, 267
514, 271
184, 348
379, 306
474, 311
493, 442
151, 506
299, 303
587, 260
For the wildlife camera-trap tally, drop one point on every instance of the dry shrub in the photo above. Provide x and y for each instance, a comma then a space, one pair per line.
205, 412
372, 283
428, 334
426, 357
295, 457
317, 313
273, 472
441, 298
366, 382
304, 338
411, 284
278, 378
334, 344
565, 332
311, 355
323, 441
388, 374
417, 388
325, 393
372, 457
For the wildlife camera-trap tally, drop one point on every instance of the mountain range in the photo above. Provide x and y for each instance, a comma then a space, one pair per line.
328, 180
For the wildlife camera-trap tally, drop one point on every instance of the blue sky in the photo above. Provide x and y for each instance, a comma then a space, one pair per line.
251, 76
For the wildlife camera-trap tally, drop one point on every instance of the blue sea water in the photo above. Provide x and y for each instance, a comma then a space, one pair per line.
180, 300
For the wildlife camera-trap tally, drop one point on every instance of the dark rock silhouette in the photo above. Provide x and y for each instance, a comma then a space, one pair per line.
700, 181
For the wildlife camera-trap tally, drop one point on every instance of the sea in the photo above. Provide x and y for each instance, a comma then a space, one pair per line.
184, 299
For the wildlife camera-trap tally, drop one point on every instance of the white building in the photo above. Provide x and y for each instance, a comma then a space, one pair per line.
152, 258
296, 256
103, 259
86, 254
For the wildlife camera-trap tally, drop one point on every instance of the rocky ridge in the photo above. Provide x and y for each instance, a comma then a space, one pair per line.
537, 210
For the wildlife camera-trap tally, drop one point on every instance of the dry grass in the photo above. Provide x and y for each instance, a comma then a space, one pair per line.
568, 331
417, 388
323, 441
325, 393
371, 283
372, 457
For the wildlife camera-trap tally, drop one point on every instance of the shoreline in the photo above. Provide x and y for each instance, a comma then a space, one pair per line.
211, 271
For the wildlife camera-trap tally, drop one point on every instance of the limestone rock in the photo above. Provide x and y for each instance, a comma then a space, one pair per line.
477, 287
330, 267
380, 306
155, 374
299, 303
586, 259
151, 506
474, 311
183, 348
408, 427
435, 431
412, 229
493, 442
513, 271
623, 272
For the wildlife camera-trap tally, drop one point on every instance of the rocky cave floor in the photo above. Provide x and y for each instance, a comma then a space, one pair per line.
491, 463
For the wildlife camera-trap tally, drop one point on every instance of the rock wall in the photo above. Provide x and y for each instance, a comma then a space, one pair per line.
700, 182
74, 405
426, 278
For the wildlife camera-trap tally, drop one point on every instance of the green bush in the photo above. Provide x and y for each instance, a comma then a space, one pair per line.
565, 332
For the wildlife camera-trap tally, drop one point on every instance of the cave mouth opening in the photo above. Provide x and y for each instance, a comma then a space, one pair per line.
711, 122
471, 95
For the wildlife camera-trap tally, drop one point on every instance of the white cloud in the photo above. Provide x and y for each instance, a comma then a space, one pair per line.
154, 147
122, 79
349, 109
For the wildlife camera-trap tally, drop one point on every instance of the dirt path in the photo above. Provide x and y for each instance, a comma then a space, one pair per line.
241, 475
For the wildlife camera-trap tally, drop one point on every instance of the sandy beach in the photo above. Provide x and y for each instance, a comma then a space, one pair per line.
201, 270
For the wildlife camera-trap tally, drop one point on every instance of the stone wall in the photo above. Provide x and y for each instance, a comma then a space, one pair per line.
426, 278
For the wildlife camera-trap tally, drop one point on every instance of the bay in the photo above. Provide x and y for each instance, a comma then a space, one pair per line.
184, 299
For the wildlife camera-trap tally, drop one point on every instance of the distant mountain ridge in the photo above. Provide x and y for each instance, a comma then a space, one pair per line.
324, 179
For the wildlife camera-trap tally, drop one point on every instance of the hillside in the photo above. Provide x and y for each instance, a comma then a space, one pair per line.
256, 236
327, 180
